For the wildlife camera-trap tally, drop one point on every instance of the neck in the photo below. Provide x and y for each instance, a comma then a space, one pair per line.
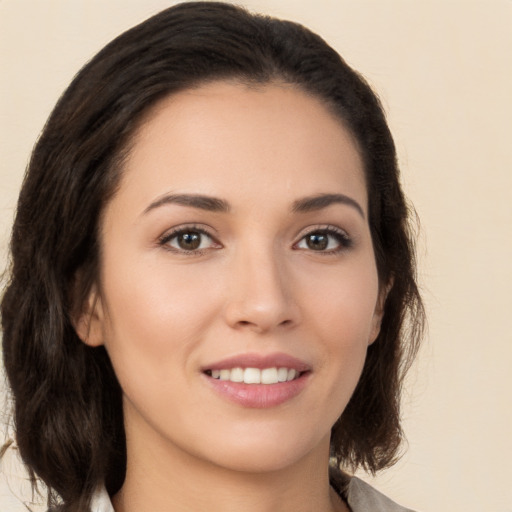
161, 477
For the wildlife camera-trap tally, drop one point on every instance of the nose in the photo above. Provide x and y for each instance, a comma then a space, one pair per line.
260, 293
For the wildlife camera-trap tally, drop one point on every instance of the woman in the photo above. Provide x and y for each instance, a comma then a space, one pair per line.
211, 275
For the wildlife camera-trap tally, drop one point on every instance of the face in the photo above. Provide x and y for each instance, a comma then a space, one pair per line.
236, 251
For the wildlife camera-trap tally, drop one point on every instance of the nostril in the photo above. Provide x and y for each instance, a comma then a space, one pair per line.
258, 325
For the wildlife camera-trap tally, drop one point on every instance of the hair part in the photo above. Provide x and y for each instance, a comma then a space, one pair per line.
68, 403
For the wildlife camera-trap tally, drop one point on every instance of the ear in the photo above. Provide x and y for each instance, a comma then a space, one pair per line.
378, 314
88, 320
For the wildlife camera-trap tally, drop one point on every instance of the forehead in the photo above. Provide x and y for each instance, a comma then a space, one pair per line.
243, 138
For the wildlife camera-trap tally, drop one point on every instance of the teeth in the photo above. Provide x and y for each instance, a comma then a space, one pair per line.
282, 374
252, 376
255, 375
269, 376
237, 375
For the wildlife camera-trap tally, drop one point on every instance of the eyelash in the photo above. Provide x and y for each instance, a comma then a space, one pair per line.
342, 239
165, 239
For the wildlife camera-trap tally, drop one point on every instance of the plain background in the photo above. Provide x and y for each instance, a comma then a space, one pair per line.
443, 70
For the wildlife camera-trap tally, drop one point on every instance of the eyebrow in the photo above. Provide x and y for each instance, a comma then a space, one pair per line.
214, 204
320, 201
211, 204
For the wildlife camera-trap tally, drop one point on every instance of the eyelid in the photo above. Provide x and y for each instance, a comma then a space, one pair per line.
166, 237
345, 240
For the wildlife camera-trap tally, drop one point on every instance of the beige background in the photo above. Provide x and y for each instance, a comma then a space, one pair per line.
444, 72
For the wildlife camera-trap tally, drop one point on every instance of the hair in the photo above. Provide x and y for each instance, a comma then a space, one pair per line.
67, 401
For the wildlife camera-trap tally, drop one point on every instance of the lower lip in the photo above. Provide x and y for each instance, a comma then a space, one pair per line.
259, 396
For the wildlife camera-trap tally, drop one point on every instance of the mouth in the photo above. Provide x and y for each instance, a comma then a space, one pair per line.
258, 381
272, 375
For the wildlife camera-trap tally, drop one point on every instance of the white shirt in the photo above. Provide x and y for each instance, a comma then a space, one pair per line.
361, 497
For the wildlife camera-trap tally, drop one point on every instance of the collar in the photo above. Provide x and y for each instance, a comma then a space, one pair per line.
360, 496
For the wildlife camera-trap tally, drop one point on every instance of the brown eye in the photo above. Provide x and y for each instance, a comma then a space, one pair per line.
329, 240
188, 240
317, 241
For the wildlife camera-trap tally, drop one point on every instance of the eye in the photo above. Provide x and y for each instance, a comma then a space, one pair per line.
188, 240
329, 240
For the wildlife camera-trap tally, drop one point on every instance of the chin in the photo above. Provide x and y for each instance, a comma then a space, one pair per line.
266, 453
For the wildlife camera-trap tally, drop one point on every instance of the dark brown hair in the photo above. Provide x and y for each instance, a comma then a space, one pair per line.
68, 409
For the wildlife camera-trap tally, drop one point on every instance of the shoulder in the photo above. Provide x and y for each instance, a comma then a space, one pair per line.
362, 497
100, 502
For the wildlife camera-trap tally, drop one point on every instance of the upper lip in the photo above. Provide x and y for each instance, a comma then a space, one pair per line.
261, 361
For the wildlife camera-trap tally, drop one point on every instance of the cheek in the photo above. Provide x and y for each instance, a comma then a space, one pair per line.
343, 306
341, 317
154, 318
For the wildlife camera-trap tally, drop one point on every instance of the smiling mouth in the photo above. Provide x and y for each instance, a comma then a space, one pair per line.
273, 375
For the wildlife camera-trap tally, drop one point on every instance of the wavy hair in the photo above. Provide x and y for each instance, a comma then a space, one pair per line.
67, 401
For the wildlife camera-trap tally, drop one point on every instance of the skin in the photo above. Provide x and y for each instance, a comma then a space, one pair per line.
255, 285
